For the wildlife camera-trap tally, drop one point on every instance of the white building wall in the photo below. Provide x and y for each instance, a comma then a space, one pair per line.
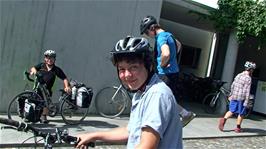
193, 37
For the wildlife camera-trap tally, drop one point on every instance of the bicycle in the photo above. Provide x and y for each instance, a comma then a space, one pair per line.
111, 102
192, 87
49, 138
40, 96
210, 101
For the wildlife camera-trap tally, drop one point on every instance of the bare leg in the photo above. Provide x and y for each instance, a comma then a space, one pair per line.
185, 116
182, 111
239, 119
45, 111
222, 121
44, 115
228, 114
238, 123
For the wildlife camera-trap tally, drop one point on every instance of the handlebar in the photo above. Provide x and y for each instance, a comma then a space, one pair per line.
59, 135
27, 75
38, 77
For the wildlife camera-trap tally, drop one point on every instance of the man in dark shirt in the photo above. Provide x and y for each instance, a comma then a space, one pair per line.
50, 71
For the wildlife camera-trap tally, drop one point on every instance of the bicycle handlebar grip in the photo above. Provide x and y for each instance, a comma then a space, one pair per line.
27, 74
11, 122
74, 140
21, 126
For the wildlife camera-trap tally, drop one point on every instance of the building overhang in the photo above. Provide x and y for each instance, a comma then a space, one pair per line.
179, 11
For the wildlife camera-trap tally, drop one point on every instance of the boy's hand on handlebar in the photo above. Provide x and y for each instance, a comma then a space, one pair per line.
84, 139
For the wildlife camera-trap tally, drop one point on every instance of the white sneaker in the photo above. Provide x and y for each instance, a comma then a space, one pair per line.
185, 120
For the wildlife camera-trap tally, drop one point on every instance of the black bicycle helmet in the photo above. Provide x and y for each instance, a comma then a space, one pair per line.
146, 23
50, 53
131, 47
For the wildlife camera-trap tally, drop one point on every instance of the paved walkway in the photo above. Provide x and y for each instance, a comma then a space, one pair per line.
203, 126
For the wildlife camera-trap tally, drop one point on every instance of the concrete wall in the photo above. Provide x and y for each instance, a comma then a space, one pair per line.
81, 32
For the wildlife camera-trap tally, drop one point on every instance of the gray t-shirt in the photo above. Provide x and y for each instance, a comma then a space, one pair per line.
156, 107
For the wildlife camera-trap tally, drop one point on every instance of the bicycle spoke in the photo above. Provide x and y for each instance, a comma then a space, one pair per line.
71, 113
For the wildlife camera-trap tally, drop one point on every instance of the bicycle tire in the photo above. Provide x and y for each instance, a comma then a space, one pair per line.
108, 108
71, 113
15, 109
211, 109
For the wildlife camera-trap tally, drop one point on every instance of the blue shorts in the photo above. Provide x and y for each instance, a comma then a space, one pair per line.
237, 107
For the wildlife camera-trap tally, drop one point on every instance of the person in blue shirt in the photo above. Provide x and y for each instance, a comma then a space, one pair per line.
153, 122
166, 49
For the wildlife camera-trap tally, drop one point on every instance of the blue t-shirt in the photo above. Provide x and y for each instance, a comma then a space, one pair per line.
156, 108
161, 39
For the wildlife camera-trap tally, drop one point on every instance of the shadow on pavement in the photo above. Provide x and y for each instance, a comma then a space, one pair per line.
250, 130
254, 130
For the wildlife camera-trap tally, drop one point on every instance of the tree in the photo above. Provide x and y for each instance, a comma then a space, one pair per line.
246, 17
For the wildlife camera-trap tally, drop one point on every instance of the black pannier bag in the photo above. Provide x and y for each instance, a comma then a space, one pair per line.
84, 97
32, 112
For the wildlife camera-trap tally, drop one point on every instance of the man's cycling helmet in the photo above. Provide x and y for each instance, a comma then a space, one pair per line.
50, 53
132, 46
146, 23
250, 65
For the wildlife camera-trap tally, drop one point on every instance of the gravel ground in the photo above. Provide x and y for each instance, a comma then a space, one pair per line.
258, 142
215, 143
227, 143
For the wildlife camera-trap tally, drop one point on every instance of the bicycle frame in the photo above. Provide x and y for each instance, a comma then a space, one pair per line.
41, 87
120, 87
44, 92
222, 91
111, 101
225, 91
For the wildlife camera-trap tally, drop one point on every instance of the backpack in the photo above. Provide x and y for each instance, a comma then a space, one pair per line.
32, 112
178, 49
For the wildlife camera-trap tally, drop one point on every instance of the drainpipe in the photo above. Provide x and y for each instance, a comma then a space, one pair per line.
229, 66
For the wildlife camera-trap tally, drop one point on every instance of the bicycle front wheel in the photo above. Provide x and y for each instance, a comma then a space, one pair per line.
110, 105
209, 106
16, 105
70, 112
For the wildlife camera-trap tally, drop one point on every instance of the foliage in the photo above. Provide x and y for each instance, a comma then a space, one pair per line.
247, 17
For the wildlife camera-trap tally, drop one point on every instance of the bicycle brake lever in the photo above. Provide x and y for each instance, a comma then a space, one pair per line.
58, 135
